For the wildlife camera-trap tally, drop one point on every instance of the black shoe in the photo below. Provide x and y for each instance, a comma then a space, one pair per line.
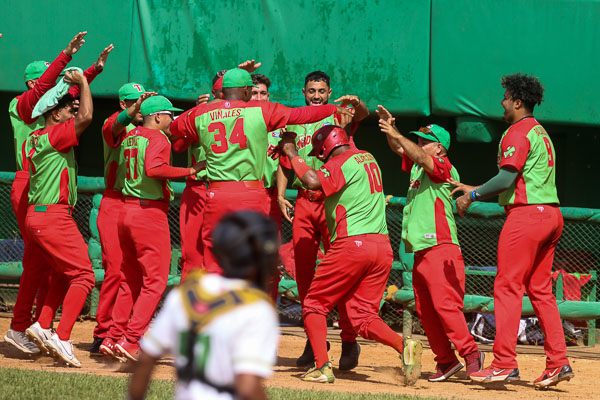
95, 350
349, 357
307, 359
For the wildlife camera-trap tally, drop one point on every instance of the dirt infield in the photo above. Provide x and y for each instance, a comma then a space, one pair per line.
378, 371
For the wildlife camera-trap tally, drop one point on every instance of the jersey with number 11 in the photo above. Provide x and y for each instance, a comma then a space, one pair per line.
527, 148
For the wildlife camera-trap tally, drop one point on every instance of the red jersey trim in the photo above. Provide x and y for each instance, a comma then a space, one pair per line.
520, 190
107, 135
341, 229
63, 197
442, 228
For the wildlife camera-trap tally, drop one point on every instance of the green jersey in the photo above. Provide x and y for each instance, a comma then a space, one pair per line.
143, 149
114, 168
21, 132
52, 166
195, 155
304, 134
427, 219
233, 135
354, 201
527, 148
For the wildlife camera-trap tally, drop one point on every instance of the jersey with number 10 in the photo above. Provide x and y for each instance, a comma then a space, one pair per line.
143, 149
354, 201
527, 148
233, 135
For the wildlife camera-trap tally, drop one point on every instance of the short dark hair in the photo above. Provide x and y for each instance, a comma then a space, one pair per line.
260, 78
317, 76
218, 75
524, 87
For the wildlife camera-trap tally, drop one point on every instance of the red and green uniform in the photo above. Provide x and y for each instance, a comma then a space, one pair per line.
191, 213
143, 231
532, 230
270, 180
429, 230
34, 279
234, 136
310, 226
51, 230
354, 272
108, 216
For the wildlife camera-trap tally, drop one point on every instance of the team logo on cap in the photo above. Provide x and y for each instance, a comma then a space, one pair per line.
227, 104
47, 64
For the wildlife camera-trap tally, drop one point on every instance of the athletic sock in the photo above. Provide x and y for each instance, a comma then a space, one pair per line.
315, 326
382, 333
72, 306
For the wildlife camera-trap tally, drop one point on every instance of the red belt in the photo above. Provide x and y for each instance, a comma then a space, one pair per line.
311, 195
513, 206
247, 184
112, 194
195, 182
147, 203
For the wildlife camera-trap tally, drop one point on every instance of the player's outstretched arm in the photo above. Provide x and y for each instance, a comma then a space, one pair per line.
127, 115
387, 124
140, 378
306, 174
84, 115
249, 387
361, 110
282, 181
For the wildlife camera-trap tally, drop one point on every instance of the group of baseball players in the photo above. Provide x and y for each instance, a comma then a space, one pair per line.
242, 149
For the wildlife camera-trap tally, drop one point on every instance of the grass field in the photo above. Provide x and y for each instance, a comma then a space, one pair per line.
27, 384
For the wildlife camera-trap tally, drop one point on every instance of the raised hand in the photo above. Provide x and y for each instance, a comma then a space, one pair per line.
344, 111
138, 104
348, 99
74, 77
250, 65
202, 99
385, 115
99, 65
75, 44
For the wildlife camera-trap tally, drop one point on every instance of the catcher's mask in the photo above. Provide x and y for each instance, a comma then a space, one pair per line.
246, 245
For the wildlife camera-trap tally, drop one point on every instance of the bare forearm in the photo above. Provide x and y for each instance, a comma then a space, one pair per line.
414, 152
282, 180
86, 109
361, 111
395, 144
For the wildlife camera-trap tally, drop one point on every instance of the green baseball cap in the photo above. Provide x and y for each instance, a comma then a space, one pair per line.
131, 91
237, 78
434, 133
155, 104
35, 69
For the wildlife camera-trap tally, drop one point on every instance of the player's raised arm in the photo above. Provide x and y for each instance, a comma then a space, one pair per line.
83, 119
127, 115
387, 124
361, 110
306, 174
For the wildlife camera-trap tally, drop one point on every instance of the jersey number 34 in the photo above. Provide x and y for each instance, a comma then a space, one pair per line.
237, 136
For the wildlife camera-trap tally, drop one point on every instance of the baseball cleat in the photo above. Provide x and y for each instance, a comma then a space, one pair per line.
108, 347
95, 349
320, 375
492, 374
307, 359
63, 349
474, 362
124, 348
21, 342
411, 361
552, 376
445, 371
349, 357
39, 336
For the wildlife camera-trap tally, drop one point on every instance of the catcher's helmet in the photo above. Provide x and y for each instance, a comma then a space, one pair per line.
326, 139
246, 245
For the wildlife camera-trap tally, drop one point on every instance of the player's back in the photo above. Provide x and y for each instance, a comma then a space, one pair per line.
234, 137
239, 339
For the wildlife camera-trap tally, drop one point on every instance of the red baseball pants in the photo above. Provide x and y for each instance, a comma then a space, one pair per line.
439, 286
308, 230
145, 240
191, 220
54, 234
525, 255
112, 257
223, 198
352, 275
275, 215
36, 274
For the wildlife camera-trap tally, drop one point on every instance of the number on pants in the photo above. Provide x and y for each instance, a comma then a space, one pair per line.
549, 150
237, 136
129, 154
374, 177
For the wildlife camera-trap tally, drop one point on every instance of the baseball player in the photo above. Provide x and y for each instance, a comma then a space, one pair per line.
131, 96
309, 226
429, 231
356, 267
40, 76
234, 136
143, 227
222, 330
534, 223
51, 230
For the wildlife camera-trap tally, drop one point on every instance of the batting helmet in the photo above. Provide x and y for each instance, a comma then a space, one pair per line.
246, 244
326, 139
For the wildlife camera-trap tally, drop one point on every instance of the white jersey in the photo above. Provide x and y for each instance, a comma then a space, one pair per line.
241, 341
